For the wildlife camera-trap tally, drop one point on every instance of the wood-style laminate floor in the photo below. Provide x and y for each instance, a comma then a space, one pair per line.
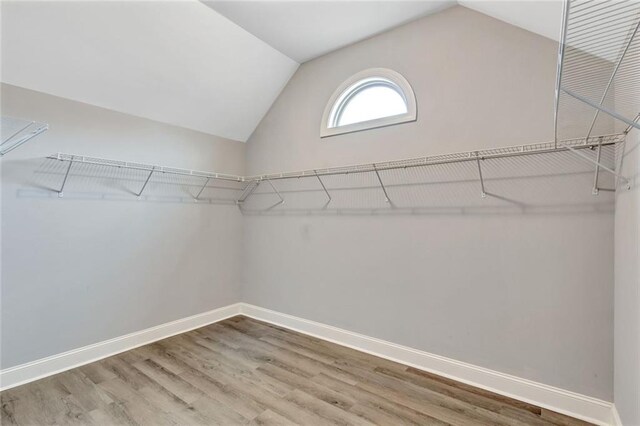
242, 371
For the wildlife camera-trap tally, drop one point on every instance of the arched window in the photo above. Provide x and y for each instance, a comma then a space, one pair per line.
372, 98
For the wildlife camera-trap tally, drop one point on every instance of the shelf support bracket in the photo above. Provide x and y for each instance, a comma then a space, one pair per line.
323, 187
145, 183
595, 189
483, 194
245, 194
613, 76
384, 189
277, 193
64, 181
602, 108
628, 129
202, 189
602, 166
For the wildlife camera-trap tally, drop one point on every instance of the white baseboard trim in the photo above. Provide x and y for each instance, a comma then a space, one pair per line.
570, 403
559, 400
617, 421
25, 373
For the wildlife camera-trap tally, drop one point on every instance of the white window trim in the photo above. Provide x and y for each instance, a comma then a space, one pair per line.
395, 77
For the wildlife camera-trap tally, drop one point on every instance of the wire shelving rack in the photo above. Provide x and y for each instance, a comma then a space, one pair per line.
151, 169
249, 184
598, 78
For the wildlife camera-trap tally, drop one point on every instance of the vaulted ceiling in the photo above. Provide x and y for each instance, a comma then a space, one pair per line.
178, 62
304, 30
212, 66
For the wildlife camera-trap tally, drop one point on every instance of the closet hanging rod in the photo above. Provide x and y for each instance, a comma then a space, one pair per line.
460, 157
81, 159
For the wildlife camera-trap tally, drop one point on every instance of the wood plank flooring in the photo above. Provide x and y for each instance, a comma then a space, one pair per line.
242, 371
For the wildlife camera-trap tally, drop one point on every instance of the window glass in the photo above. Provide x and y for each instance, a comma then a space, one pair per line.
371, 102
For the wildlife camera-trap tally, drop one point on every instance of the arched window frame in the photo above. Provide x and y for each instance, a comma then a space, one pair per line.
358, 82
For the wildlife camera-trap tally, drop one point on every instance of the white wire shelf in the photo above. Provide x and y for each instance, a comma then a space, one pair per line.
83, 159
249, 184
15, 132
492, 153
150, 168
598, 80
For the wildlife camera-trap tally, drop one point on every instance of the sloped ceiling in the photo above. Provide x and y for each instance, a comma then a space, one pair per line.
184, 63
176, 62
304, 30
540, 17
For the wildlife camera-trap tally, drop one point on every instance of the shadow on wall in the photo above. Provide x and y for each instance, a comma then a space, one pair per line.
558, 183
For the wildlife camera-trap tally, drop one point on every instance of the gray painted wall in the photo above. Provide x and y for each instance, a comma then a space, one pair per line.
81, 270
627, 288
520, 282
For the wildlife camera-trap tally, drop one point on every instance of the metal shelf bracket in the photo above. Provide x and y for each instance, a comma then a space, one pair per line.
602, 108
598, 164
483, 194
64, 181
610, 82
323, 187
251, 186
384, 189
595, 189
202, 189
139, 195
277, 193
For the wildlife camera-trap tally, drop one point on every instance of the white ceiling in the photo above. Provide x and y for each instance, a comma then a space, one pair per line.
184, 63
541, 16
304, 30
176, 62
